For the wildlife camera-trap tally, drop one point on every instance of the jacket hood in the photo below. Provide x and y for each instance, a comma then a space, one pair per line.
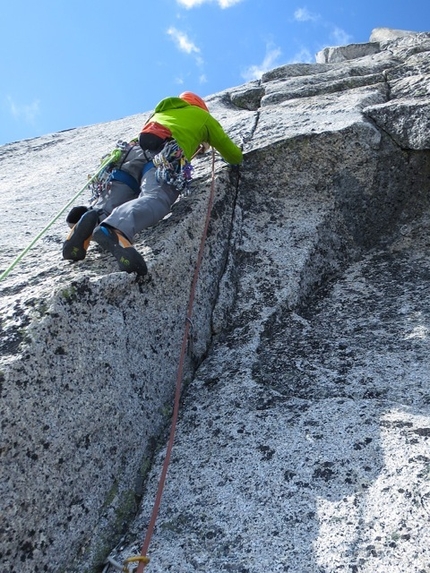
170, 103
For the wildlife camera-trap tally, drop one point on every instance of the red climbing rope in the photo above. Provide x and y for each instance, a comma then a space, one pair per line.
150, 530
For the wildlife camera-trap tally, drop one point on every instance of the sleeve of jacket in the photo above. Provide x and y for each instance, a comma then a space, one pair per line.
222, 143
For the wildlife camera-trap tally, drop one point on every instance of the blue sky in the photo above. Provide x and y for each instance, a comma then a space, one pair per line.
67, 64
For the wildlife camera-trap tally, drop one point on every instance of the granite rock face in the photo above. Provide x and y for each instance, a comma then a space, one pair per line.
303, 439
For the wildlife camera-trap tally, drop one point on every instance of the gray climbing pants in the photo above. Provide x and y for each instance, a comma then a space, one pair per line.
117, 194
153, 203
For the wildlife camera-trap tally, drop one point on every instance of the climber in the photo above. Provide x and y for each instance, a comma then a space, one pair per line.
177, 130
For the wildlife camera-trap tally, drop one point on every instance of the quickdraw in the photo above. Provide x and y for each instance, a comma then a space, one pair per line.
139, 559
172, 168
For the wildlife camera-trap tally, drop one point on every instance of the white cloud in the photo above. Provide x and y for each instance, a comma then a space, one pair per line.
200, 61
304, 56
228, 3
184, 44
340, 36
190, 3
256, 71
304, 15
337, 36
27, 112
193, 3
182, 41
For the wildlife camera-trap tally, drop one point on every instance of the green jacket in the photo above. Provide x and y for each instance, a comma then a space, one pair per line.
190, 125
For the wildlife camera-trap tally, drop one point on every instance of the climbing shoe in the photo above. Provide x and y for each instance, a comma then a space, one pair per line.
76, 245
128, 258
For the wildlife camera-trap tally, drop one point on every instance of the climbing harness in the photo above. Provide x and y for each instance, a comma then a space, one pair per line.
124, 177
143, 560
108, 160
112, 171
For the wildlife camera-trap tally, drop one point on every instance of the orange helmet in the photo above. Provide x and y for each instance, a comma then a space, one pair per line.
194, 99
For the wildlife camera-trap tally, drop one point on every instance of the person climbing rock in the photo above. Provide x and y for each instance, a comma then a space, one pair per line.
176, 131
